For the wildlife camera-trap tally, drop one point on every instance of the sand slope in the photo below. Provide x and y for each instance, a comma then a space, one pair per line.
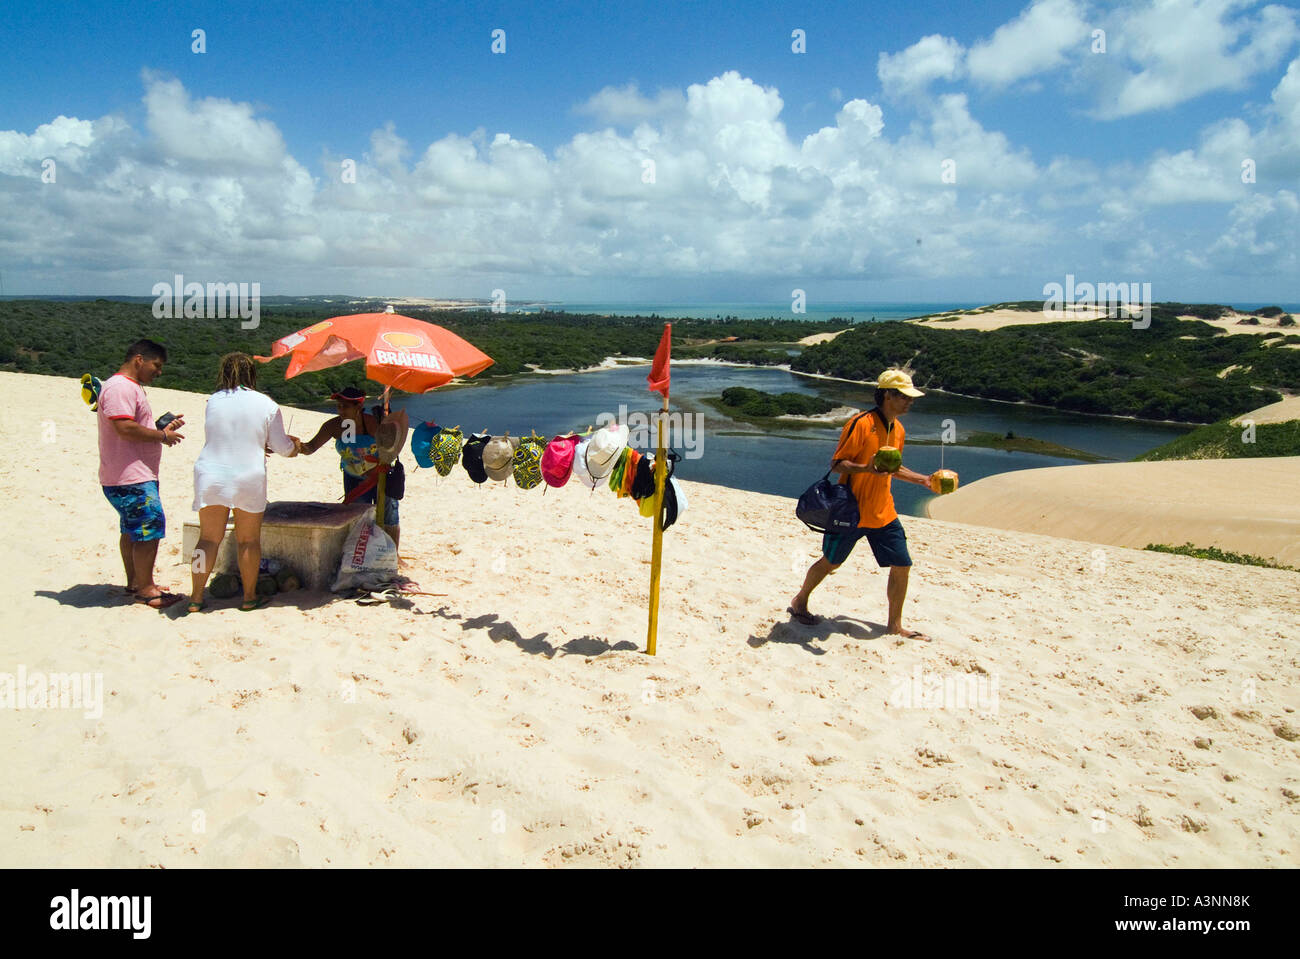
997, 319
1245, 505
514, 722
1283, 411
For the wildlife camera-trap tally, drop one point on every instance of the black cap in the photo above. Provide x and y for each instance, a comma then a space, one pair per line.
349, 395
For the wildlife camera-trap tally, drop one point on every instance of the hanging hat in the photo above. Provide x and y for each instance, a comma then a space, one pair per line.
446, 449
557, 460
580, 471
604, 450
528, 462
90, 387
471, 457
498, 457
674, 502
421, 439
388, 442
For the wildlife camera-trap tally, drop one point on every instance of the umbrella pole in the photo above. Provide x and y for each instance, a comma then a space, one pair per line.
383, 477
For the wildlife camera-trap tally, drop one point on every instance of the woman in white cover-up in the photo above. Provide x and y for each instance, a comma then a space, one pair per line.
241, 427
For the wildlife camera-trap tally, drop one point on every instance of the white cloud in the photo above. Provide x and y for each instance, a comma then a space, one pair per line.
1038, 40
626, 106
1170, 51
212, 130
1213, 170
1262, 238
912, 70
712, 183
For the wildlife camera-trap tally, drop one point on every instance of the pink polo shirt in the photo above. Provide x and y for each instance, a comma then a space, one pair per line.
123, 461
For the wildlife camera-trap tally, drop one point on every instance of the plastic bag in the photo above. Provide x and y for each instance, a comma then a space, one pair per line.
369, 557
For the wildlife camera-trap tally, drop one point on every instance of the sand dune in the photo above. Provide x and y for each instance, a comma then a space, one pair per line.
1130, 708
997, 319
1281, 412
1245, 505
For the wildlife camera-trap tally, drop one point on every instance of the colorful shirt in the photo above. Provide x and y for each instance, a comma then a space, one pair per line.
123, 461
875, 500
360, 456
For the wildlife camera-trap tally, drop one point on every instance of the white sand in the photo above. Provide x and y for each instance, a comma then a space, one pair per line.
1284, 411
997, 319
1243, 505
820, 338
497, 726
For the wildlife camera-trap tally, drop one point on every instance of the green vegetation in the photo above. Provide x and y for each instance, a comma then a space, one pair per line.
1213, 552
762, 409
757, 403
747, 353
1019, 444
68, 338
1222, 440
1169, 371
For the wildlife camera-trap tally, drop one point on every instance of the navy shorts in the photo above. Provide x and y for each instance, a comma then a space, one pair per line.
351, 482
139, 510
888, 544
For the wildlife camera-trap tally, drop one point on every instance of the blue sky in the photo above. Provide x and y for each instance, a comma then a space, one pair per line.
772, 169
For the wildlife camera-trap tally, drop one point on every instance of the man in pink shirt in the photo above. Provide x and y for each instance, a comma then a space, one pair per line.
130, 452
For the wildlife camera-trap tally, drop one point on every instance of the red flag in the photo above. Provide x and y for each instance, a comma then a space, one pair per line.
659, 371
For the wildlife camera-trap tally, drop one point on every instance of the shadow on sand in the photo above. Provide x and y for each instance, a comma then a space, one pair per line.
500, 631
89, 596
796, 634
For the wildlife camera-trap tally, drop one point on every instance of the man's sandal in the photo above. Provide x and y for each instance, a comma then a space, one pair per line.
805, 617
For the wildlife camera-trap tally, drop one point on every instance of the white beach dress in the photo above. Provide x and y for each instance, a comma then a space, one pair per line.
231, 471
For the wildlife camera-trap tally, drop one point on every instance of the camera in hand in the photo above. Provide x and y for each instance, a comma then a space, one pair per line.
163, 420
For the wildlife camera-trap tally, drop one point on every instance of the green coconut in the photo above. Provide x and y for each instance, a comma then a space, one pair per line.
266, 585
287, 580
888, 458
224, 585
943, 481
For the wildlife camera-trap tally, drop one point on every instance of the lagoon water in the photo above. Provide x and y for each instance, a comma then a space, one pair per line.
783, 463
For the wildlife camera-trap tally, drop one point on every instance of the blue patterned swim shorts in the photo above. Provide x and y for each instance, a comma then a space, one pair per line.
140, 509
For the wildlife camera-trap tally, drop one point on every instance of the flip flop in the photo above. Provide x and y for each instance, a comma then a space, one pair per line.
258, 603
807, 618
196, 607
163, 600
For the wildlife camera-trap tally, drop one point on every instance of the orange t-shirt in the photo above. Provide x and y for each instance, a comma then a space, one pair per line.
875, 501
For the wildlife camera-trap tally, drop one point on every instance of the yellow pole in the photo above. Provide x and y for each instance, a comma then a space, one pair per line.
383, 476
656, 552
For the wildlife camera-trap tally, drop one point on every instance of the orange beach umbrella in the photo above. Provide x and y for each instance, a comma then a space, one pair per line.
401, 352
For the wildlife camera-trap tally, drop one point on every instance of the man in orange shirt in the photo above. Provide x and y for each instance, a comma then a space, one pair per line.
878, 521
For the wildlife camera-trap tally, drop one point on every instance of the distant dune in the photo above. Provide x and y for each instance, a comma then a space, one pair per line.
1243, 505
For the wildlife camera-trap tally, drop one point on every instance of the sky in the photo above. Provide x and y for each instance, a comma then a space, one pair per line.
634, 152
